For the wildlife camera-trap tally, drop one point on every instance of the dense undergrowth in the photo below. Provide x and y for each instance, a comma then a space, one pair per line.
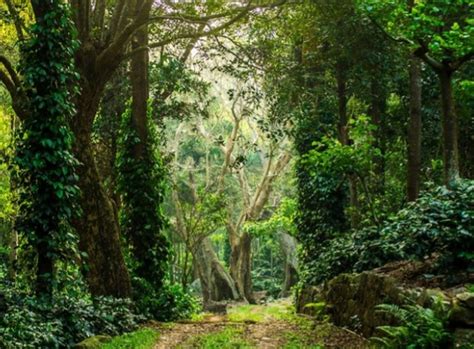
440, 223
30, 322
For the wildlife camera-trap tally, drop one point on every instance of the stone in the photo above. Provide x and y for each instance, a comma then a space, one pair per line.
305, 298
466, 299
461, 315
463, 338
95, 342
351, 300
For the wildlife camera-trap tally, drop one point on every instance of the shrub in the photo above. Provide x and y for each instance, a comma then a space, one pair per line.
31, 323
441, 221
169, 303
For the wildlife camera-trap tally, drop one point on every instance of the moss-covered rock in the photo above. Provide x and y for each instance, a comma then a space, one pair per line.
462, 312
464, 338
351, 300
305, 298
93, 342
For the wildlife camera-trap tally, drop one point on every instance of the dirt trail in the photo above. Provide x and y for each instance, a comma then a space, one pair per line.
266, 335
179, 333
258, 327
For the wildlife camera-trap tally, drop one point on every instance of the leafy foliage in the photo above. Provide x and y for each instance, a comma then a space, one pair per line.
170, 302
141, 183
45, 162
441, 221
419, 327
443, 27
32, 323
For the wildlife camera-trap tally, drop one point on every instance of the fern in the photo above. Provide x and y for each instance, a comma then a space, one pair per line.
417, 328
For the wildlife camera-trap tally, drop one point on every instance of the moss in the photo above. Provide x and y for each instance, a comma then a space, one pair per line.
95, 342
142, 339
351, 300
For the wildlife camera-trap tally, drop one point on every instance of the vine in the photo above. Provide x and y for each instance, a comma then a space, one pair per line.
46, 166
141, 184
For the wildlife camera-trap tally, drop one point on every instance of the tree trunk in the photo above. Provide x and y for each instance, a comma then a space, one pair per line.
241, 266
345, 140
98, 228
414, 131
216, 283
140, 90
288, 249
376, 110
44, 286
450, 128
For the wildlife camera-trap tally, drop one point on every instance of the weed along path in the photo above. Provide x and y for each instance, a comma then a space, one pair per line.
269, 326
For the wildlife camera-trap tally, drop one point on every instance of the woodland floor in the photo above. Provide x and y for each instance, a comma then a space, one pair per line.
255, 326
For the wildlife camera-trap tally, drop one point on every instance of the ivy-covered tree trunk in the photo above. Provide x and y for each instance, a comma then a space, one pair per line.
142, 174
44, 156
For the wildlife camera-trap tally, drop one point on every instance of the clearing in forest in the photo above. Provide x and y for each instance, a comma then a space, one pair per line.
255, 326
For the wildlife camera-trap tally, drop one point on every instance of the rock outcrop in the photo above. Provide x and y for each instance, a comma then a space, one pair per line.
351, 301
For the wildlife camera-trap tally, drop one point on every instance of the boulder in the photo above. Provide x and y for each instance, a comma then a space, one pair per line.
463, 338
466, 299
462, 311
305, 298
351, 300
95, 342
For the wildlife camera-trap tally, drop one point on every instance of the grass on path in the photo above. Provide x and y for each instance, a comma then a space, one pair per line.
142, 339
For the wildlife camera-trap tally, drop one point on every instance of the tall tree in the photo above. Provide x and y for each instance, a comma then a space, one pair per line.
44, 150
142, 173
414, 131
439, 33
105, 31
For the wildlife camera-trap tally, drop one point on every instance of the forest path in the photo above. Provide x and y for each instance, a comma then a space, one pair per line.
271, 326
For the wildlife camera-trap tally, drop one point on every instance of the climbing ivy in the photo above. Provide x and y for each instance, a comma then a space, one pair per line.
46, 166
141, 184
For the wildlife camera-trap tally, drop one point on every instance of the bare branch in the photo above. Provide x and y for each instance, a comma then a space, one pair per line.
115, 49
116, 18
98, 17
199, 34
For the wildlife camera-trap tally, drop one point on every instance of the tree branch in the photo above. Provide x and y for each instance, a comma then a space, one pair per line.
16, 20
116, 18
388, 35
198, 34
10, 86
464, 59
9, 67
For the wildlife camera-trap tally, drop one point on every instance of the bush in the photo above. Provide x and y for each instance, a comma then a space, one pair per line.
169, 303
31, 323
441, 221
